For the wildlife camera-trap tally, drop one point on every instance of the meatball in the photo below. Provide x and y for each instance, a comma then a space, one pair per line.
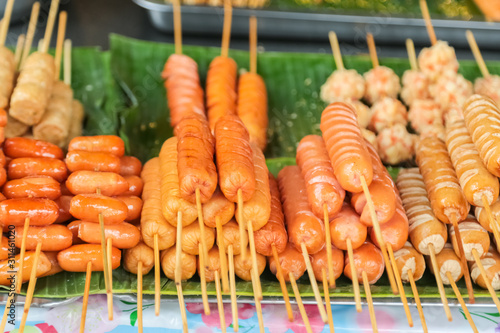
438, 60
381, 82
488, 86
369, 136
451, 90
386, 113
437, 130
363, 112
424, 113
415, 87
343, 85
395, 144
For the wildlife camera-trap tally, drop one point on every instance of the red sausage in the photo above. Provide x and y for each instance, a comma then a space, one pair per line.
367, 258
319, 262
135, 186
124, 235
134, 205
394, 232
88, 182
130, 166
37, 166
3, 160
92, 161
111, 144
35, 186
54, 237
291, 261
3, 176
346, 225
39, 211
64, 203
88, 207
74, 227
25, 147
75, 258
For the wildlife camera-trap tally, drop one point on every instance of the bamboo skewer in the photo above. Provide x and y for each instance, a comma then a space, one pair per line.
67, 62
477, 54
22, 254
372, 49
369, 300
253, 44
63, 17
463, 260
4, 28
281, 279
178, 271
314, 284
139, 297
298, 299
156, 251
493, 223
88, 276
354, 274
222, 255
492, 292
439, 282
337, 56
203, 280
241, 224
428, 23
232, 285
31, 287
177, 26
19, 49
258, 307
31, 32
109, 292
328, 241
400, 285
203, 248
226, 32
220, 305
461, 301
326, 291
416, 296
50, 25
253, 256
109, 258
411, 54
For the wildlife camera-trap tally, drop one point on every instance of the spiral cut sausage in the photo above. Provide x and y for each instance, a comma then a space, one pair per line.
7, 74
491, 264
303, 226
366, 258
475, 179
447, 261
33, 89
346, 146
322, 186
234, 158
445, 194
168, 264
291, 261
474, 236
195, 163
252, 107
424, 228
221, 89
139, 253
407, 258
184, 92
482, 118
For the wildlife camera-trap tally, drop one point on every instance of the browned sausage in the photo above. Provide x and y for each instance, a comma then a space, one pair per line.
191, 238
212, 264
367, 258
64, 204
319, 262
74, 227
141, 252
346, 225
217, 207
231, 236
243, 268
168, 264
291, 261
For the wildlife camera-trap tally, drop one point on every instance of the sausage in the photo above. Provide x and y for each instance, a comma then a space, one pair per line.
150, 178
491, 264
424, 227
88, 207
482, 116
123, 235
2, 197
110, 144
141, 252
3, 113
381, 191
252, 107
195, 161
447, 261
171, 200
130, 166
43, 267
134, 205
3, 160
75, 258
291, 261
212, 264
243, 268
191, 238
135, 185
319, 261
184, 92
39, 211
394, 232
64, 204
92, 161
54, 237
217, 207
475, 179
234, 158
273, 232
258, 208
367, 258
34, 187
321, 184
89, 182
168, 264
302, 225
23, 147
3, 176
37, 166
346, 146
231, 236
54, 264
221, 89
346, 225
407, 258
74, 227
5, 247
474, 236
482, 216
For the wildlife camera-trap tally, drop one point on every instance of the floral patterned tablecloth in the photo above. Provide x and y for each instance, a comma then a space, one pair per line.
66, 318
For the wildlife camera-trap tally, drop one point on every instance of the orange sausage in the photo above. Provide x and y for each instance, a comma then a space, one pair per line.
212, 264
124, 235
448, 261
319, 262
3, 117
168, 264
111, 144
195, 161
4, 247
191, 238
217, 207
64, 204
139, 253
130, 166
252, 107
25, 147
39, 211
74, 227
491, 264
135, 186
92, 161
407, 258
473, 235
88, 207
231, 236
367, 258
75, 258
322, 186
134, 205
243, 268
273, 232
346, 225
221, 89
346, 146
54, 237
3, 160
3, 176
395, 231
234, 158
88, 182
482, 216
29, 258
37, 166
54, 264
184, 92
302, 225
291, 261
35, 187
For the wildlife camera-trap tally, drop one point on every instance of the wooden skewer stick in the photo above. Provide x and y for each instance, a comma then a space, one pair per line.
106, 270
326, 291
241, 224
400, 285
477, 53
40, 45
232, 285
378, 234
281, 279
67, 62
109, 256
201, 223
157, 274
35, 10
439, 282
411, 54
177, 26
226, 32
220, 305
253, 44
88, 276
337, 56
139, 297
61, 32
4, 28
222, 255
314, 284
253, 256
354, 274
19, 49
258, 307
373, 50
416, 296
31, 287
22, 254
428, 23
178, 272
461, 301
463, 260
328, 241
492, 292
202, 248
369, 300
203, 280
182, 305
493, 223
50, 25
298, 299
